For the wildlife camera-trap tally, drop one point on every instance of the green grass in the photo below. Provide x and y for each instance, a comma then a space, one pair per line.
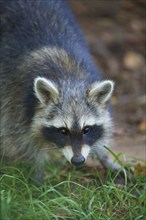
68, 193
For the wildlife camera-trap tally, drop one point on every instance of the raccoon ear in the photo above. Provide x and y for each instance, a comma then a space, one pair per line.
45, 90
101, 91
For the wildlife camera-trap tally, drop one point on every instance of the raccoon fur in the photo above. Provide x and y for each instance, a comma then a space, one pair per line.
52, 95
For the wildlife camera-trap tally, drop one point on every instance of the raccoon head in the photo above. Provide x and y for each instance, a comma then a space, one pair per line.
74, 120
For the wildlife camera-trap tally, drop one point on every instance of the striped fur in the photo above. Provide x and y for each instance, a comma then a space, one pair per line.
52, 95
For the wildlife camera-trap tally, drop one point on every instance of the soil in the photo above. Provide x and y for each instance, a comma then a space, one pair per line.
115, 32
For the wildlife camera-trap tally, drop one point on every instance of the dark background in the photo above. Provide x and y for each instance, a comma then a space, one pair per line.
115, 31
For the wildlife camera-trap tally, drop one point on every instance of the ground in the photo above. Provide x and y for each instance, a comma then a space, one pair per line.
115, 31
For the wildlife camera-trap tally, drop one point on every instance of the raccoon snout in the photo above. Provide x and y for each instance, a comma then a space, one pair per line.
77, 160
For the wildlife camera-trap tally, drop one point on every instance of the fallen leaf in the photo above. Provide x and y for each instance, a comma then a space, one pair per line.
142, 127
133, 61
140, 169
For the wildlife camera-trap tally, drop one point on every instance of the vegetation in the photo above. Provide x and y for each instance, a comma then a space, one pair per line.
70, 193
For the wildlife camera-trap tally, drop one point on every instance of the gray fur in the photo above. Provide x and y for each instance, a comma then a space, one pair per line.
48, 80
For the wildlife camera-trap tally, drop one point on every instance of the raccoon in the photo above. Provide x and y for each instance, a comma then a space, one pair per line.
52, 94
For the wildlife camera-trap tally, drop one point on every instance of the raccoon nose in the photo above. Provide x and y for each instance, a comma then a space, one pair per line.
77, 160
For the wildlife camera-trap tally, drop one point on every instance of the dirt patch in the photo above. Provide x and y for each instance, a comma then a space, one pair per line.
115, 31
131, 147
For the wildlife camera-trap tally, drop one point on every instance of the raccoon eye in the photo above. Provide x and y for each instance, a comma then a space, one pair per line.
86, 129
63, 131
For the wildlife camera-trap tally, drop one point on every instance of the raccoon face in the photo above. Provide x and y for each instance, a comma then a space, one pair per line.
76, 122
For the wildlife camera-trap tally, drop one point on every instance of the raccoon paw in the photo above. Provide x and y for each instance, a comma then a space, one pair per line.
38, 179
123, 177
